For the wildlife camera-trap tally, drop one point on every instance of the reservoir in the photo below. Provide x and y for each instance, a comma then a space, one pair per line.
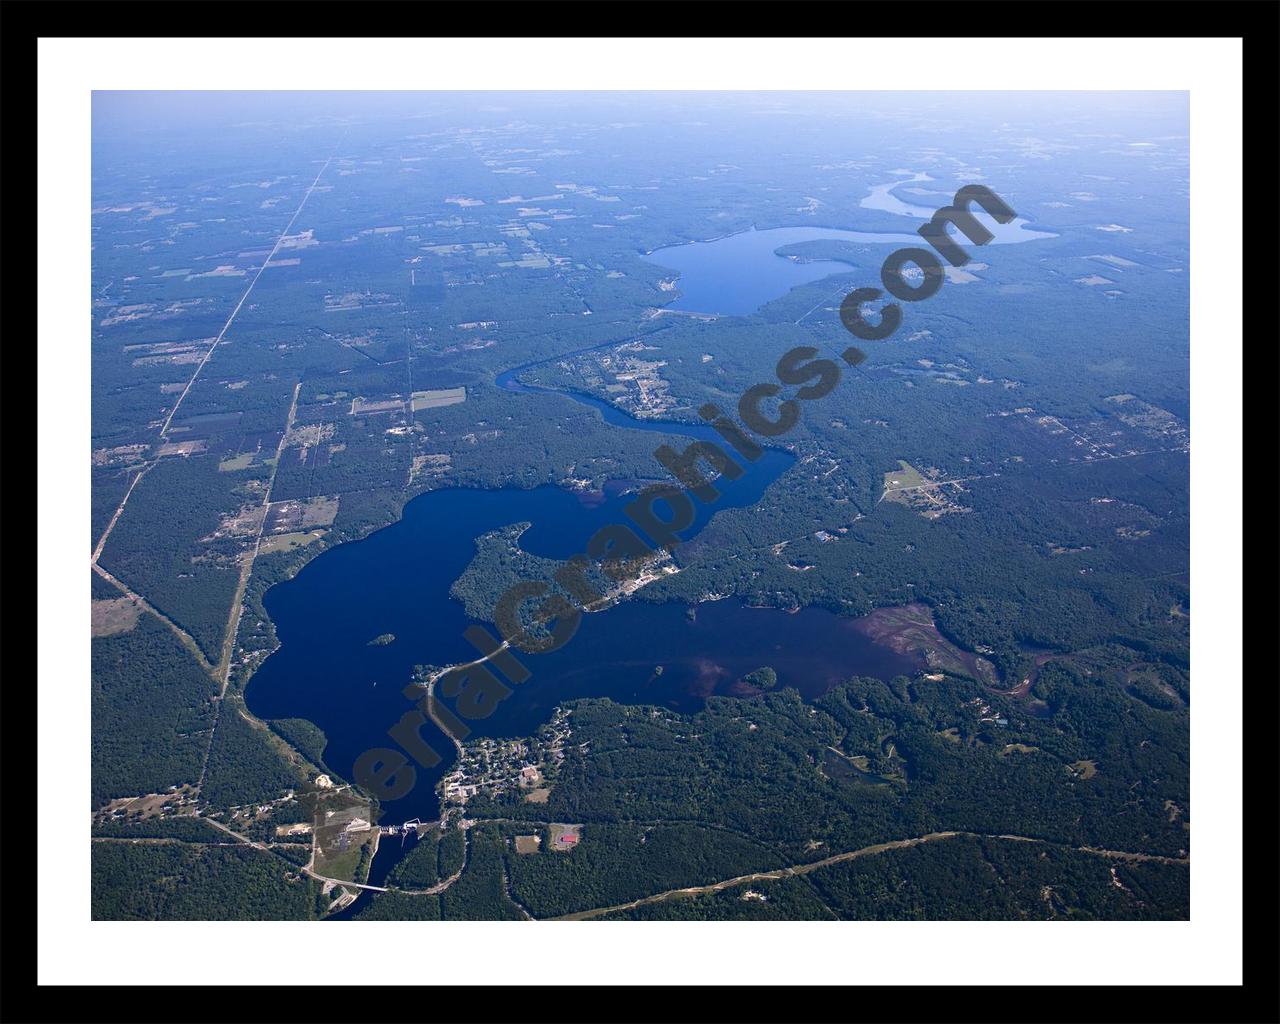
396, 583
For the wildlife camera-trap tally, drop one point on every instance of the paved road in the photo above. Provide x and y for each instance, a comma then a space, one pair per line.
307, 870
866, 851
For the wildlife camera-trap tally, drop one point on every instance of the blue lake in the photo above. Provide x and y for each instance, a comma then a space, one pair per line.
737, 274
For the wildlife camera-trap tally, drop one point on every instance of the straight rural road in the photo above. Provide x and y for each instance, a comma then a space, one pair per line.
164, 429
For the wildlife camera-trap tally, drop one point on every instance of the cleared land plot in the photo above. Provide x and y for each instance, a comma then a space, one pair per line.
308, 436
150, 805
181, 448
436, 399
430, 466
1149, 420
342, 830
930, 498
118, 615
238, 462
565, 837
364, 405
905, 476
528, 844
320, 511
298, 516
1115, 261
122, 455
288, 541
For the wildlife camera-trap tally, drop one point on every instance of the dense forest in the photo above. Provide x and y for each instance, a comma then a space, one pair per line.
622, 862
481, 893
960, 879
746, 784
152, 712
179, 549
247, 763
434, 856
189, 882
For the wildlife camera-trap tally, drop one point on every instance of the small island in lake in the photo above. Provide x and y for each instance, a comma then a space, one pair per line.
382, 640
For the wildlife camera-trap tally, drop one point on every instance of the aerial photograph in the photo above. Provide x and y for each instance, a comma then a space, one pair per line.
640, 506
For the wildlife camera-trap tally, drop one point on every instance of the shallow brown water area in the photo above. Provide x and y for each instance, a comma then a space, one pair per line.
910, 629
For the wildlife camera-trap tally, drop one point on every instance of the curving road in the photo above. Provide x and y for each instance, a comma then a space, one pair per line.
866, 851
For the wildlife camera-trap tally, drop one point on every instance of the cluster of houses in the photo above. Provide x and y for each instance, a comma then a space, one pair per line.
491, 767
986, 714
257, 812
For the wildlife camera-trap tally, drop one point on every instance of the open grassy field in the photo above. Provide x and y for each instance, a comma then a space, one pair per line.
118, 615
436, 399
238, 462
905, 476
344, 839
289, 541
